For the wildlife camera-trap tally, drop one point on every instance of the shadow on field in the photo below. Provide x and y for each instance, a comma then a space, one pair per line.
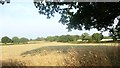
105, 55
79, 55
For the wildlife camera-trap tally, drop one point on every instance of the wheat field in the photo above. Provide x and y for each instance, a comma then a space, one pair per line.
60, 54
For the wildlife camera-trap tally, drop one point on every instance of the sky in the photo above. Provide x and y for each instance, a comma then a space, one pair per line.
21, 18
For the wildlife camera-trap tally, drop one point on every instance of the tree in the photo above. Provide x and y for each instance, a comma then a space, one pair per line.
65, 38
3, 1
99, 15
6, 40
52, 38
15, 40
24, 40
85, 37
115, 34
97, 37
76, 37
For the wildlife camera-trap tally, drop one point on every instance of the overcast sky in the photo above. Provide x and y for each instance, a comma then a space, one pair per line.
23, 20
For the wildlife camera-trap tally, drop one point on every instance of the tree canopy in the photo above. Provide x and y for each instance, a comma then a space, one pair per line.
24, 40
97, 37
85, 36
6, 40
15, 40
76, 15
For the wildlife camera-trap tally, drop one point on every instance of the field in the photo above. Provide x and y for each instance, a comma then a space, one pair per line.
61, 54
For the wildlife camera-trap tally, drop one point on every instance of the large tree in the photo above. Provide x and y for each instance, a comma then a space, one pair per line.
15, 40
85, 37
97, 37
75, 15
24, 40
6, 40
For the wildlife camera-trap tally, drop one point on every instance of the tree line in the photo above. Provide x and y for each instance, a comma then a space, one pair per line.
85, 37
14, 40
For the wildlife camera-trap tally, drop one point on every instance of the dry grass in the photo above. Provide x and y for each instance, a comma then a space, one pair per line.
72, 58
73, 55
16, 50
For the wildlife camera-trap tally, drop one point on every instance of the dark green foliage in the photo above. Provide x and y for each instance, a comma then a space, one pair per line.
6, 40
52, 38
39, 39
99, 15
97, 37
85, 37
76, 37
23, 40
3, 1
65, 38
15, 40
115, 34
68, 38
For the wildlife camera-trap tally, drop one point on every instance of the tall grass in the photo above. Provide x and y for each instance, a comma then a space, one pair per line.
68, 56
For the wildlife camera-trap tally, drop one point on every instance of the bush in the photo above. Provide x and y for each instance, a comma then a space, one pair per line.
16, 40
24, 40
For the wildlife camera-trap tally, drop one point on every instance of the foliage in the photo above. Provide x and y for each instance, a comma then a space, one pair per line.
76, 37
15, 40
6, 40
99, 15
65, 38
97, 37
115, 34
52, 38
24, 40
40, 39
85, 37
3, 1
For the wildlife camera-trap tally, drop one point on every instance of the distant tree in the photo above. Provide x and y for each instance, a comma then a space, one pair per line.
15, 40
76, 37
40, 39
70, 38
97, 37
62, 38
56, 38
65, 38
24, 40
6, 40
85, 37
52, 38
